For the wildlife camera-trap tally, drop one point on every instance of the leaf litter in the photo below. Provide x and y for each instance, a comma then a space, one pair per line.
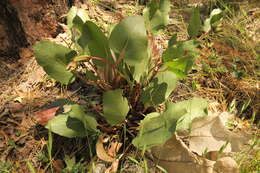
190, 155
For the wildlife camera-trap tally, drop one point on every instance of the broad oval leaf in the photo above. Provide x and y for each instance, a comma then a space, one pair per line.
153, 131
195, 23
73, 12
156, 15
74, 123
180, 57
129, 40
89, 121
93, 40
59, 126
159, 89
181, 66
157, 128
54, 59
195, 107
115, 106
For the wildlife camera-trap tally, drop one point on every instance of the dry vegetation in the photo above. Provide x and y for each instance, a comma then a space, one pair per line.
227, 72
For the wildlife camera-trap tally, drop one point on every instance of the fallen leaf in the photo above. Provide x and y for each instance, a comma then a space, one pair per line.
101, 152
58, 165
114, 148
44, 116
210, 134
113, 167
175, 156
15, 107
226, 165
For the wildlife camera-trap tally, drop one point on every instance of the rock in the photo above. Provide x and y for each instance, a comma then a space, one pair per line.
226, 165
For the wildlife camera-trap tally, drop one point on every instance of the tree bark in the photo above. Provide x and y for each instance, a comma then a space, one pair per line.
23, 22
12, 35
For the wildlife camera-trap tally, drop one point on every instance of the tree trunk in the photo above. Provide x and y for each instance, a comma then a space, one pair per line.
23, 22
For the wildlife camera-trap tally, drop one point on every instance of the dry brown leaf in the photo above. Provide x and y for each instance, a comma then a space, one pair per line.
101, 152
58, 165
114, 148
113, 167
44, 116
226, 165
15, 107
174, 156
210, 134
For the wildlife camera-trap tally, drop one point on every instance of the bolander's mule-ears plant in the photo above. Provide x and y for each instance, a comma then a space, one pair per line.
133, 77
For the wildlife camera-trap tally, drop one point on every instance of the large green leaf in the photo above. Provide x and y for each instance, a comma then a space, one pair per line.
89, 121
73, 13
196, 107
180, 49
195, 23
129, 40
156, 129
59, 126
73, 123
181, 66
180, 57
115, 106
54, 59
159, 89
156, 14
93, 40
153, 131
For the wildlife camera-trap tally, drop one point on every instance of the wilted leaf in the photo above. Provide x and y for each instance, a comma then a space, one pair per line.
114, 148
54, 59
115, 106
175, 156
57, 165
210, 133
44, 116
156, 14
195, 23
114, 167
101, 152
130, 41
226, 165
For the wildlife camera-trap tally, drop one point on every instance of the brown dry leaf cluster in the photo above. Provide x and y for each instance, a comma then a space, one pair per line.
110, 154
207, 149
